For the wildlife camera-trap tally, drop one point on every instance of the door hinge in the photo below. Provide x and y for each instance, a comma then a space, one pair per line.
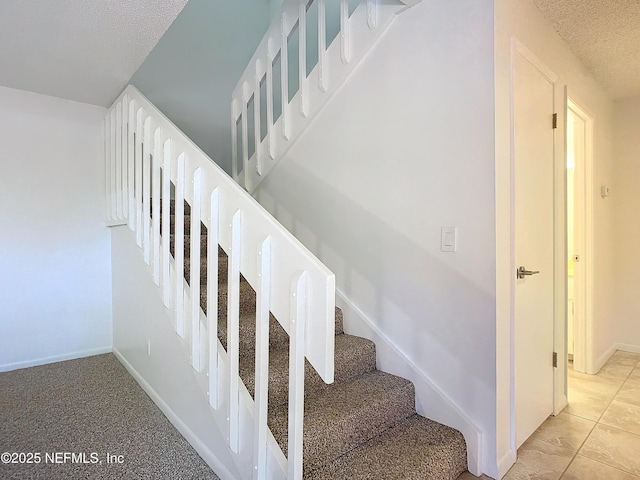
555, 120
555, 359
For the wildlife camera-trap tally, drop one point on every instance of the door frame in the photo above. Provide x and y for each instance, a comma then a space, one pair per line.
559, 244
583, 332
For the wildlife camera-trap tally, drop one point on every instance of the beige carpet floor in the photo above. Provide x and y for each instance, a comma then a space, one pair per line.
88, 419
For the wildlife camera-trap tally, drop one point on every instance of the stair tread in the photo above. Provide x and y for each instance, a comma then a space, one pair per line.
346, 415
278, 337
247, 303
415, 448
353, 356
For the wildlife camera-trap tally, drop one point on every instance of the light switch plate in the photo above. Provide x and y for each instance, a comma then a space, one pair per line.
449, 239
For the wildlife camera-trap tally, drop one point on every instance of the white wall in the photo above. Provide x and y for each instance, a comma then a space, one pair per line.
404, 148
55, 285
626, 195
521, 19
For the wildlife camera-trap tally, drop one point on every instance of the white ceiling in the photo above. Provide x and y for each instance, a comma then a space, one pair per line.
83, 50
87, 50
605, 36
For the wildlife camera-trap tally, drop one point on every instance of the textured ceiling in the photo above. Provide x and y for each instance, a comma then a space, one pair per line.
605, 36
83, 50
87, 50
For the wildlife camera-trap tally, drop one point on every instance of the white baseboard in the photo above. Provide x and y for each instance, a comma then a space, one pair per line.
600, 361
441, 408
626, 347
207, 455
7, 367
604, 358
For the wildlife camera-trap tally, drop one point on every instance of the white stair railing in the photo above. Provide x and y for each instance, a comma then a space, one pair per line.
308, 52
149, 161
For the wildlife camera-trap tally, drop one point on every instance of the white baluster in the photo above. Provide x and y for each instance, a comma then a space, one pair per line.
118, 160
262, 360
245, 129
146, 191
179, 245
323, 77
131, 127
345, 32
302, 54
125, 138
372, 14
233, 331
270, 136
284, 78
138, 160
234, 139
195, 269
256, 118
155, 200
166, 225
212, 296
112, 162
296, 374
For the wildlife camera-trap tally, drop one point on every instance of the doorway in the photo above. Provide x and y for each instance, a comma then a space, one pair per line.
579, 188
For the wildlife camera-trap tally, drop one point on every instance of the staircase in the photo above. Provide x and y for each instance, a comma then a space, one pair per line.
363, 425
253, 310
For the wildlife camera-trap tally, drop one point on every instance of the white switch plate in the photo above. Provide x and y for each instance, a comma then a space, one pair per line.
449, 241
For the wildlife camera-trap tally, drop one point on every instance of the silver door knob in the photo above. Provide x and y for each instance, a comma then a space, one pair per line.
523, 272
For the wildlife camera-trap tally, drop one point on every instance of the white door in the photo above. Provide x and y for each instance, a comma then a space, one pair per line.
534, 244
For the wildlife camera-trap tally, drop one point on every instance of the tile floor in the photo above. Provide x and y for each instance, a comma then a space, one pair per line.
596, 437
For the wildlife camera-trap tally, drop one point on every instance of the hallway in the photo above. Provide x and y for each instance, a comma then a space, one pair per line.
597, 436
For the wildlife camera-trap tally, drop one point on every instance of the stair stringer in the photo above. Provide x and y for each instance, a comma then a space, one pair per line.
431, 401
358, 34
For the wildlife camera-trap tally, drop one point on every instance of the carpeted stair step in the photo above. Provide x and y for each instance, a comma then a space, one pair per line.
222, 270
278, 338
354, 356
415, 449
187, 244
247, 298
172, 207
345, 415
187, 223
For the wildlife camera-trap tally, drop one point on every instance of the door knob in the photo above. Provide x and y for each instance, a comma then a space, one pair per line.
523, 272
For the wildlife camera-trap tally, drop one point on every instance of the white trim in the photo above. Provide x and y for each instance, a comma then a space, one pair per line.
207, 455
583, 357
606, 356
505, 463
519, 47
626, 347
7, 367
393, 360
603, 359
